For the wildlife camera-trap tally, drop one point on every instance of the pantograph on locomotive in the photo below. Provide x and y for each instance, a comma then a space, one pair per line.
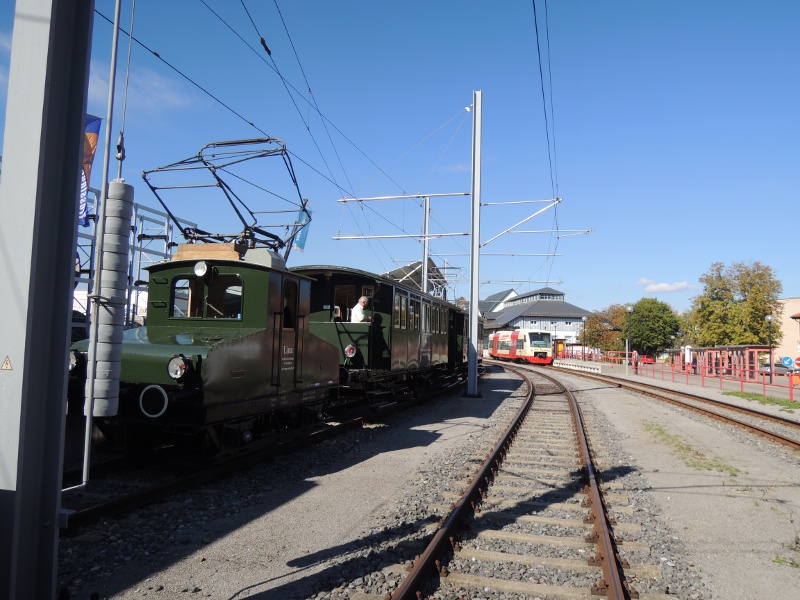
237, 346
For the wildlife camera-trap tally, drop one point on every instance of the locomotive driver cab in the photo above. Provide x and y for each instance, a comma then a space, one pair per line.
207, 294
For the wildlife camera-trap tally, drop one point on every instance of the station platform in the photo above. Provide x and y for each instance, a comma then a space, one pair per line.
665, 375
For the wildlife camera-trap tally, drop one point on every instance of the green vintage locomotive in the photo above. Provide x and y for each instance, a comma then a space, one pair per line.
226, 355
237, 346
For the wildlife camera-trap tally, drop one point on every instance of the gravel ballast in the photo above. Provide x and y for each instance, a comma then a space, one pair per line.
340, 519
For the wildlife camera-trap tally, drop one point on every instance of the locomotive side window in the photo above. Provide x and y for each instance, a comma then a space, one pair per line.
289, 304
187, 298
224, 297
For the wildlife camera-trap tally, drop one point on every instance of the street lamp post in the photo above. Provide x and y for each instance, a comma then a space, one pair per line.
584, 337
769, 319
628, 339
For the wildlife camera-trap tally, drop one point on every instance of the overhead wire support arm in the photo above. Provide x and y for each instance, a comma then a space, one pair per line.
570, 231
553, 203
520, 202
403, 197
399, 235
513, 281
545, 254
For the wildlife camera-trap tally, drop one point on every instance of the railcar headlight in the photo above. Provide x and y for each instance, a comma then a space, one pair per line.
178, 367
201, 268
350, 351
75, 358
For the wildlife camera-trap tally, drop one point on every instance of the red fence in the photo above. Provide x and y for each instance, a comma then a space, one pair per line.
727, 377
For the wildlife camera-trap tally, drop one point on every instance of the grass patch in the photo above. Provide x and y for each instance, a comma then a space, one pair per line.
690, 456
790, 562
765, 400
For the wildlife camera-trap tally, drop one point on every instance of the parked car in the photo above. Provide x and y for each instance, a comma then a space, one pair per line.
646, 359
776, 369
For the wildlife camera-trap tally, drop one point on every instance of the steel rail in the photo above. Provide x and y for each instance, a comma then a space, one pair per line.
613, 584
425, 566
660, 393
73, 520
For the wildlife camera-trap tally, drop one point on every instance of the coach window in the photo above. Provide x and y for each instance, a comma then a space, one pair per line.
396, 310
426, 317
403, 312
435, 319
413, 315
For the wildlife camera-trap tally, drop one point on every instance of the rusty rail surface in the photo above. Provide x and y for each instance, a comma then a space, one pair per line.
428, 565
663, 394
613, 584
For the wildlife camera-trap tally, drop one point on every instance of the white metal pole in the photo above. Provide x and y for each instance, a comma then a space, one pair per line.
475, 247
426, 219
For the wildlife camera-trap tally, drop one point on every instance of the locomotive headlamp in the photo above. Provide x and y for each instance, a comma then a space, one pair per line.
178, 366
201, 268
350, 351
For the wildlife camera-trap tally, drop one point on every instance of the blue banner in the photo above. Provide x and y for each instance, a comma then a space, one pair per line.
90, 136
303, 220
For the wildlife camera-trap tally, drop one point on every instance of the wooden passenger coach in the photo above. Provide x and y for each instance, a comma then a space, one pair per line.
411, 338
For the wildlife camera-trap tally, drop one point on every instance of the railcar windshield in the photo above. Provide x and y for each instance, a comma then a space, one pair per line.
539, 339
217, 298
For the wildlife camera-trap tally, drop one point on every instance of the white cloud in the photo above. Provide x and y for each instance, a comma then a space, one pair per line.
457, 168
652, 287
5, 53
5, 43
148, 92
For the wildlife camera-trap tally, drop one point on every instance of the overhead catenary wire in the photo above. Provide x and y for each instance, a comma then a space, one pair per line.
121, 138
551, 147
311, 95
280, 76
300, 94
186, 77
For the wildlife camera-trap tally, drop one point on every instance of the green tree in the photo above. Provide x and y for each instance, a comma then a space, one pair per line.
652, 326
734, 302
604, 328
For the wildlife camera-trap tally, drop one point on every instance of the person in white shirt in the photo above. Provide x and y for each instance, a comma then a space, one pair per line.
357, 313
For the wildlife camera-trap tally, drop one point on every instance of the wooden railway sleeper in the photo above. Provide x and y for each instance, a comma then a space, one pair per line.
601, 589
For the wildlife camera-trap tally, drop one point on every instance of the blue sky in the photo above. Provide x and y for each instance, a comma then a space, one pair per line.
674, 128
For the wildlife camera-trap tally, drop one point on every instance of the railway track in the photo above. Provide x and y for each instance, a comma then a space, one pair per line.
118, 486
780, 429
538, 519
129, 485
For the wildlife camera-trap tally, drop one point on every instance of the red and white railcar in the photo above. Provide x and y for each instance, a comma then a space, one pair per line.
533, 346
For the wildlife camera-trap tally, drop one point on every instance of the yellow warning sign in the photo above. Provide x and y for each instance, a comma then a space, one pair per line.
6, 365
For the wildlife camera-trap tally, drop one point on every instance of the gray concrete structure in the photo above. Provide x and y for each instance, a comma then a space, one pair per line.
42, 154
